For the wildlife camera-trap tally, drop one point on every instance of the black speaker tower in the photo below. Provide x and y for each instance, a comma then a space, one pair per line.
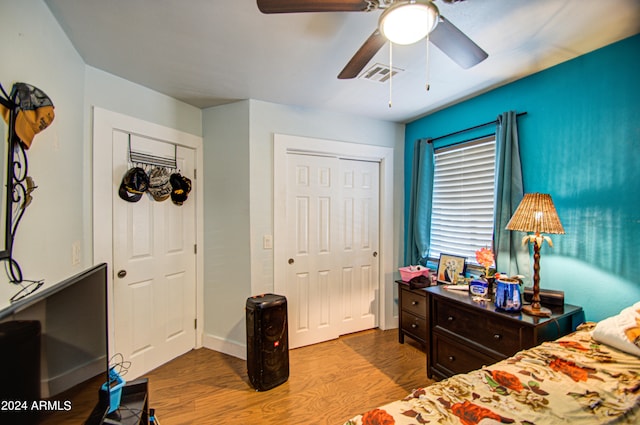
267, 341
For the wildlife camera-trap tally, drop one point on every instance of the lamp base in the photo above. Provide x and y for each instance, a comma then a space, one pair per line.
540, 312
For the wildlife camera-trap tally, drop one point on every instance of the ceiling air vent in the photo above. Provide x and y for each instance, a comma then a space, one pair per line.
379, 73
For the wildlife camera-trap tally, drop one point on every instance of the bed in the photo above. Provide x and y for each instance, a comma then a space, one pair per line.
591, 376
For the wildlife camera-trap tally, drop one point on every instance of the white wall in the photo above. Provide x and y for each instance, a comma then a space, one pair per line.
227, 277
241, 267
117, 94
36, 50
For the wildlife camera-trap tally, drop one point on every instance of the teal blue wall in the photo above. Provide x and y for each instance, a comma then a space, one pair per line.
580, 142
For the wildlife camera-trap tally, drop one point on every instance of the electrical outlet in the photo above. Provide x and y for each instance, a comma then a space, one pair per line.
75, 253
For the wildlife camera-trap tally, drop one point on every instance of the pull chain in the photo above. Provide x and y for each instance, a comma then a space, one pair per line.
390, 71
427, 86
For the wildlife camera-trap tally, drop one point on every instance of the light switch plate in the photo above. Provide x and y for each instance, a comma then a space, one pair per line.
267, 242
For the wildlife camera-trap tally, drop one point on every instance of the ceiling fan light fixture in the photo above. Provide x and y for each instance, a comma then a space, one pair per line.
407, 22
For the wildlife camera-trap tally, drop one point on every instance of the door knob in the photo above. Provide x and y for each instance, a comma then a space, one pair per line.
122, 273
291, 261
375, 253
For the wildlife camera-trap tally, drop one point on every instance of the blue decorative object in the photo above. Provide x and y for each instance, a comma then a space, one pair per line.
113, 387
508, 294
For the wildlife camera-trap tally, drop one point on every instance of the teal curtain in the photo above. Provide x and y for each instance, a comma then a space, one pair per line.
511, 256
419, 226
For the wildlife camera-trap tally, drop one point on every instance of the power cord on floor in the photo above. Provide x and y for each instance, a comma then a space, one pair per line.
153, 419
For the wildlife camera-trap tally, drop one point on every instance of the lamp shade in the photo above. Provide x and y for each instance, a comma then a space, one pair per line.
406, 22
536, 213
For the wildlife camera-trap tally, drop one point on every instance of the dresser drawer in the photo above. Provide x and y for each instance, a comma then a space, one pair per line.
415, 326
451, 357
496, 334
415, 303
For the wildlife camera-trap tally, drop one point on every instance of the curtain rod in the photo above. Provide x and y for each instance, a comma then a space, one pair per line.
461, 142
469, 129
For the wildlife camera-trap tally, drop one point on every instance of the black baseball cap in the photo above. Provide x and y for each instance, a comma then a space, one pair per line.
180, 188
134, 183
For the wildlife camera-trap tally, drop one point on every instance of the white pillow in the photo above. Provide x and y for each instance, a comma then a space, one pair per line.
621, 331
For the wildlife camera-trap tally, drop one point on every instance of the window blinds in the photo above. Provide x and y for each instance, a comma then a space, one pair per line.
462, 208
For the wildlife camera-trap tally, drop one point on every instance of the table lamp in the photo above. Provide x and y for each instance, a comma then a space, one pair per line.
536, 213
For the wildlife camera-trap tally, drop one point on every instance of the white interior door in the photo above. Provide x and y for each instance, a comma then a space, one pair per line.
154, 264
358, 242
332, 241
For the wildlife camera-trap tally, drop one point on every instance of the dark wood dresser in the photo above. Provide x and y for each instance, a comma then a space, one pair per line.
412, 320
464, 335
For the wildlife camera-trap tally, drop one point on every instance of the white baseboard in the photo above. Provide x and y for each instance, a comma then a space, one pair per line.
224, 346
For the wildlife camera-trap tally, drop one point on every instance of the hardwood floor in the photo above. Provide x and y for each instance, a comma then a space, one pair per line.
328, 383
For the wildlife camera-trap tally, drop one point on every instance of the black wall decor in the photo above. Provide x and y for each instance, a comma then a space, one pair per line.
18, 196
18, 187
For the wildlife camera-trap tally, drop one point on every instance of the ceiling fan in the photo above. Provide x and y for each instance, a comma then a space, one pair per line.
424, 14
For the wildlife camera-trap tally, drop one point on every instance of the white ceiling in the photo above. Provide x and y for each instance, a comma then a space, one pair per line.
211, 52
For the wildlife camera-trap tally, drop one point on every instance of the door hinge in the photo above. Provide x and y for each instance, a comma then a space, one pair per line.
195, 323
195, 173
195, 248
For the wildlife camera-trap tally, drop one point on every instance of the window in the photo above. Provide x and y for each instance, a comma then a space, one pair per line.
463, 193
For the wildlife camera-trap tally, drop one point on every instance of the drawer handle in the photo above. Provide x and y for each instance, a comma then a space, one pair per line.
414, 302
413, 325
451, 358
497, 337
450, 318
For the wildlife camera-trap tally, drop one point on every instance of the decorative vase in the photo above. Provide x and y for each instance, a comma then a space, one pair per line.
491, 283
508, 295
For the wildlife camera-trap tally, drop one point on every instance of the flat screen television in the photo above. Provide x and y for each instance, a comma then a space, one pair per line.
61, 383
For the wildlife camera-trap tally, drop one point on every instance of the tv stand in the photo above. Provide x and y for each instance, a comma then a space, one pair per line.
134, 406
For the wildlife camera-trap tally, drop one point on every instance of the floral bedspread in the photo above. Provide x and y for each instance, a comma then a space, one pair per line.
572, 380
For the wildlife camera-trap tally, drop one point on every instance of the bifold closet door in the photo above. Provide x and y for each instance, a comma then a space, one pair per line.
331, 247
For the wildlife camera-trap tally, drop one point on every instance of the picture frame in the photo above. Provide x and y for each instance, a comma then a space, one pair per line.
450, 267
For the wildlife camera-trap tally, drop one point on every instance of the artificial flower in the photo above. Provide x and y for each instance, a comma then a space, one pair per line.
484, 257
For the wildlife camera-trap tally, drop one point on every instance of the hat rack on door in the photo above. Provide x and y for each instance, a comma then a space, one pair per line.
160, 172
145, 160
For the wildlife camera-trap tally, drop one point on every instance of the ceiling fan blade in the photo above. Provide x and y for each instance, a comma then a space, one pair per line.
293, 6
455, 44
362, 57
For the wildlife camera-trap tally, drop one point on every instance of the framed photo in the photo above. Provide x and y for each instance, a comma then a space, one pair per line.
450, 267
